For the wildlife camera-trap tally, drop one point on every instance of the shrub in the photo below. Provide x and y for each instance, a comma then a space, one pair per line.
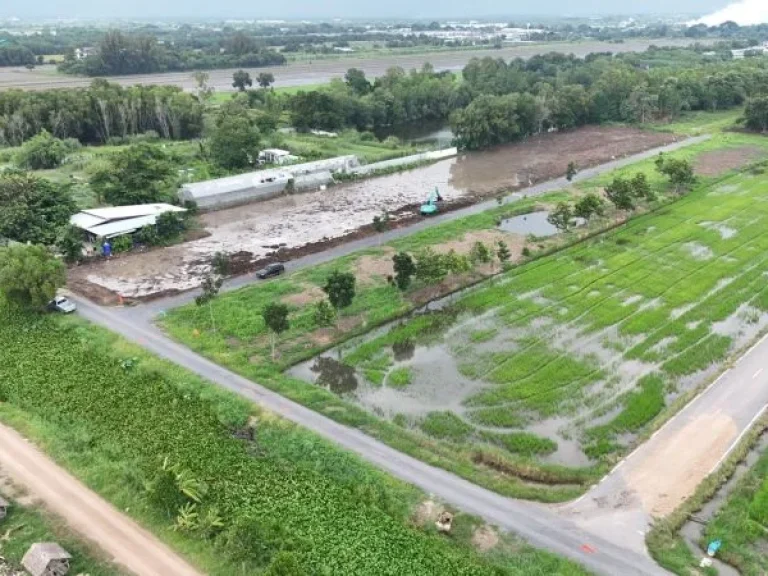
44, 152
324, 313
121, 244
445, 425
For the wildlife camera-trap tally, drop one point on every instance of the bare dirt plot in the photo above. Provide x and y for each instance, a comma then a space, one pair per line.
545, 157
293, 225
719, 162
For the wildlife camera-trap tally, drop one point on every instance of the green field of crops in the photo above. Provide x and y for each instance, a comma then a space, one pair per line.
586, 347
24, 526
553, 370
742, 523
235, 489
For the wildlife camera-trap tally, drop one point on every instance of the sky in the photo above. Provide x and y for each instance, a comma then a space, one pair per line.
406, 9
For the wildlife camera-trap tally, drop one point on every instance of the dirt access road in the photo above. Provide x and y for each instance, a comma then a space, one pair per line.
323, 71
120, 538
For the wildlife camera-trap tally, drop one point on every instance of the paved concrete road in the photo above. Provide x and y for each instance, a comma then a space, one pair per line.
322, 71
661, 473
147, 311
604, 530
121, 539
537, 524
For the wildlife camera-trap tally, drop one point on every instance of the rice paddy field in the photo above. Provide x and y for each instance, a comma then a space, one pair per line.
535, 382
742, 523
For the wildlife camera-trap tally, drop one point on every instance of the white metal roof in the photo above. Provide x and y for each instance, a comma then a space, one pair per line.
276, 152
118, 220
120, 227
135, 211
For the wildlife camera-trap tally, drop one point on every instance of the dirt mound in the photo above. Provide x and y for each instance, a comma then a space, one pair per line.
719, 162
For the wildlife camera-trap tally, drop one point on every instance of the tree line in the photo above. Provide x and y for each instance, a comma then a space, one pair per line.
553, 92
499, 101
99, 113
118, 53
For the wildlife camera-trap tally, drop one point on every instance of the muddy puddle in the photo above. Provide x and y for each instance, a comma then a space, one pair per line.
535, 224
437, 384
693, 530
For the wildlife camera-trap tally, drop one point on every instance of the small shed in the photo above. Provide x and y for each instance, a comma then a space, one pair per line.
46, 559
4, 505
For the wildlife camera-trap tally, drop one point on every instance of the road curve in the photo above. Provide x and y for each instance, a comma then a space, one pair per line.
538, 524
127, 543
302, 73
542, 526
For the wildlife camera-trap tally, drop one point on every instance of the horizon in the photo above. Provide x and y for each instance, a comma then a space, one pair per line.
344, 10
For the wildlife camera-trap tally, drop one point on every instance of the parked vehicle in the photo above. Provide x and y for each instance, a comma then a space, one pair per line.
62, 304
270, 271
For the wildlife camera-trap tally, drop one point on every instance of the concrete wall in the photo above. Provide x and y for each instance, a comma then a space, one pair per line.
406, 160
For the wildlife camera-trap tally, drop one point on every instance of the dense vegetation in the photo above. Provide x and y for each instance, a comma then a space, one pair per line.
118, 53
512, 376
99, 113
32, 209
240, 488
500, 101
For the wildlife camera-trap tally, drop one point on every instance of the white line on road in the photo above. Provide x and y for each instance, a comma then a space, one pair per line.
756, 374
736, 442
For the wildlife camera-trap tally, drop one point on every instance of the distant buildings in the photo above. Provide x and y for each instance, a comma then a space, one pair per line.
84, 52
749, 52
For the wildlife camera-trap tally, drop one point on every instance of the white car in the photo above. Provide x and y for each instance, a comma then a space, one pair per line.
61, 304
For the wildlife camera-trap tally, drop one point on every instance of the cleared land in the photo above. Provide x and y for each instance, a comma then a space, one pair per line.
232, 487
297, 224
546, 376
322, 71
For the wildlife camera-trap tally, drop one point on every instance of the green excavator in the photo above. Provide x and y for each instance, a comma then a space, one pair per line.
430, 207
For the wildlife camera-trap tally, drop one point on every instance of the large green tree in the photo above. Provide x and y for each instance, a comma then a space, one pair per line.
340, 288
241, 80
235, 141
140, 174
275, 316
32, 209
30, 275
756, 113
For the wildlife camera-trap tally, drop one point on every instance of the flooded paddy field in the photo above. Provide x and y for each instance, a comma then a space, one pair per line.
566, 360
292, 225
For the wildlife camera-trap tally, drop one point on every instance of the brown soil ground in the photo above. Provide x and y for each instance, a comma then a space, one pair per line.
546, 157
309, 295
485, 538
719, 162
344, 213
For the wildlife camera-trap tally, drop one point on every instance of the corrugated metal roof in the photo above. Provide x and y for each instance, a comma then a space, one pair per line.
120, 227
118, 220
84, 221
135, 211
